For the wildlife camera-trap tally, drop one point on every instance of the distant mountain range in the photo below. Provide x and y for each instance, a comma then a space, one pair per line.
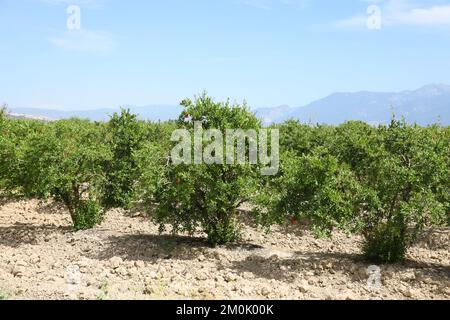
154, 113
426, 105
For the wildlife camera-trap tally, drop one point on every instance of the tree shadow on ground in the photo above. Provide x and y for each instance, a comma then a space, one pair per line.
141, 210
23, 233
298, 229
436, 238
152, 247
51, 208
149, 247
327, 263
42, 207
283, 269
6, 199
435, 271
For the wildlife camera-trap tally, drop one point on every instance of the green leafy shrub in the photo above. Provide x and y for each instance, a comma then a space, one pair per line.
354, 143
405, 175
315, 187
13, 135
87, 215
385, 243
65, 160
150, 161
206, 196
125, 135
387, 183
3, 112
302, 139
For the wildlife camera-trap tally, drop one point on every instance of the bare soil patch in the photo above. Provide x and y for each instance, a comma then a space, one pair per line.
41, 257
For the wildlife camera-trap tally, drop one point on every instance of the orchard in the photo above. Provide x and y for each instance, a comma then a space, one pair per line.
387, 183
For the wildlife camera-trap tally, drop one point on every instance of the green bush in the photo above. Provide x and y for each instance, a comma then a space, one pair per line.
354, 143
13, 137
387, 183
206, 196
65, 160
385, 243
315, 187
87, 215
405, 174
150, 161
125, 135
302, 139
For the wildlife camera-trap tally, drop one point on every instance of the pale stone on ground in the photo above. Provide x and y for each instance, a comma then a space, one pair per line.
125, 258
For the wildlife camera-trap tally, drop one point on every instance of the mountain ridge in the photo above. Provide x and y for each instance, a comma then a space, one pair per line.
426, 105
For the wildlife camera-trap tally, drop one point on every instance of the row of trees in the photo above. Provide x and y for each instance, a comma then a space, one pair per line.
88, 166
386, 183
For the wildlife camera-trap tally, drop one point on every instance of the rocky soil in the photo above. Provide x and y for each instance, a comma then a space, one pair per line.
41, 257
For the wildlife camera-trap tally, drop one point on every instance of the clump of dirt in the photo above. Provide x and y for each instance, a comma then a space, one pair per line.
126, 258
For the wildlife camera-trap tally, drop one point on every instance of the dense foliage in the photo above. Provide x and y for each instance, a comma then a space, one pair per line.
125, 135
207, 196
385, 182
65, 160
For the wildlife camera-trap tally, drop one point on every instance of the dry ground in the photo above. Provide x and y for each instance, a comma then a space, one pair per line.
125, 258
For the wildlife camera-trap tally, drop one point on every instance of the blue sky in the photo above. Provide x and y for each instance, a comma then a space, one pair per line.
268, 52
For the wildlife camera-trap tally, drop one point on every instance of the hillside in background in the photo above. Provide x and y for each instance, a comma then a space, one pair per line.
154, 113
426, 105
